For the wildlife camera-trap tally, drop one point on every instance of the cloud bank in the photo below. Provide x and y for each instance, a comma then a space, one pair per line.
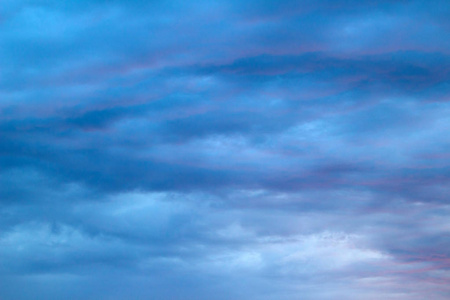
224, 150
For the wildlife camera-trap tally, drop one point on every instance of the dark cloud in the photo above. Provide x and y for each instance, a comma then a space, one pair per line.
257, 150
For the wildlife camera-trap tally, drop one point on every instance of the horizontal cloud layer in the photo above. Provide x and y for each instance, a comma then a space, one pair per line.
226, 150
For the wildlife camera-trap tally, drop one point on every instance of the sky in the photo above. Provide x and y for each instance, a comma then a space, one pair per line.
226, 150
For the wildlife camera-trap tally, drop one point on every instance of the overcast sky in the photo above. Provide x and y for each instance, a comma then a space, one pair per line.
224, 150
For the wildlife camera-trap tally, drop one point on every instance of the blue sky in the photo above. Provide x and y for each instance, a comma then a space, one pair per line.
227, 150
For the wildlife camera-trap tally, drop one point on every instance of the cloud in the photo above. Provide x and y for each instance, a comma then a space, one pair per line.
266, 150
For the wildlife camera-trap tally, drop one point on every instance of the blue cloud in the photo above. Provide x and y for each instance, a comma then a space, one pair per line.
257, 150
